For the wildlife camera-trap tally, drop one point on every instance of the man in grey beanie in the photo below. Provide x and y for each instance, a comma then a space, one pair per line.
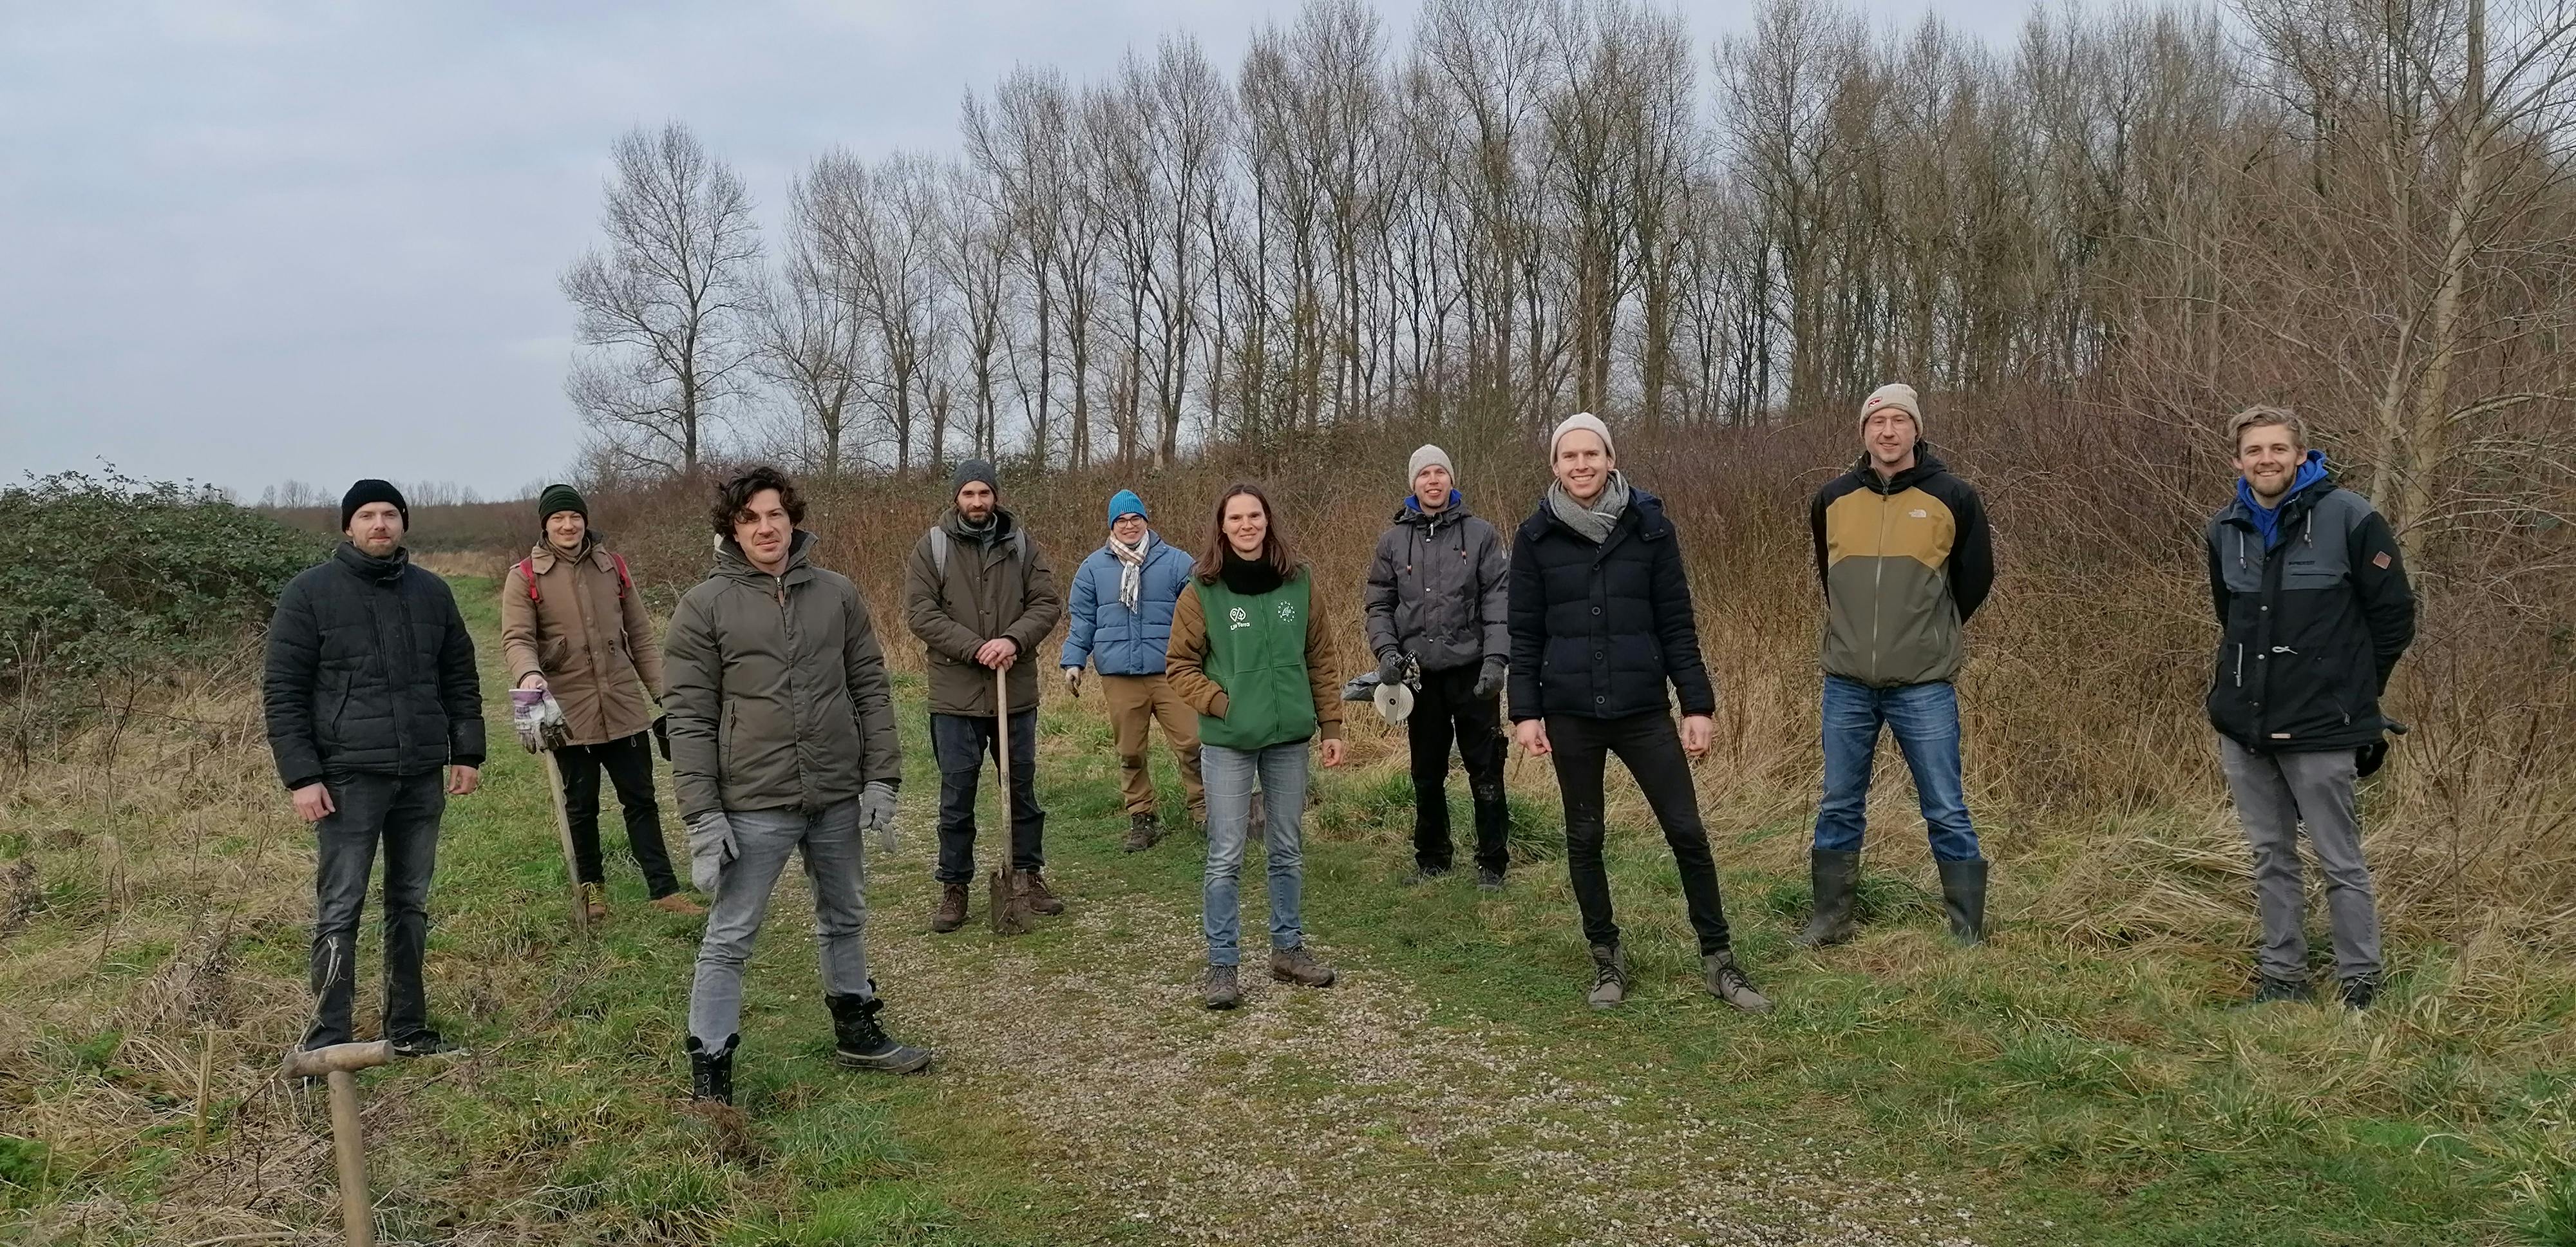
1436, 595
981, 596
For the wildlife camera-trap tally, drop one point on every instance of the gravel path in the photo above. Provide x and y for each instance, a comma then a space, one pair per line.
1343, 1115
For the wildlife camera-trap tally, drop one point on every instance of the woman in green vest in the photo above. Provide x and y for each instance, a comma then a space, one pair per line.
1249, 652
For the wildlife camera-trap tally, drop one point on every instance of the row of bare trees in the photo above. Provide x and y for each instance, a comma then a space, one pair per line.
1535, 206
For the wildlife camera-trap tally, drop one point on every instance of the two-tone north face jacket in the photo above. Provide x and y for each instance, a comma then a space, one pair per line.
2310, 627
1904, 561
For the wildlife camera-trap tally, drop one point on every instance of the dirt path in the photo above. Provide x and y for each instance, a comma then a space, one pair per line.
1345, 1115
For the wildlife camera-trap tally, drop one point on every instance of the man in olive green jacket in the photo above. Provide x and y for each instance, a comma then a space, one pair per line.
980, 595
782, 739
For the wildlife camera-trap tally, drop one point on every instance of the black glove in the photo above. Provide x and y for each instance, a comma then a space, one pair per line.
1489, 680
2367, 759
1390, 667
662, 735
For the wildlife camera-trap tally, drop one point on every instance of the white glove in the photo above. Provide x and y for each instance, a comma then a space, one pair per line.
1073, 680
711, 849
876, 813
538, 719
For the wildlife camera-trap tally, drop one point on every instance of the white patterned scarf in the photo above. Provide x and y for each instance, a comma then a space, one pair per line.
1131, 568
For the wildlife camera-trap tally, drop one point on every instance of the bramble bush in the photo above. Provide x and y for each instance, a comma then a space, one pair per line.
111, 587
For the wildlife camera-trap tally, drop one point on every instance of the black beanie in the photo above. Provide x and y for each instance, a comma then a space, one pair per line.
974, 470
372, 490
560, 497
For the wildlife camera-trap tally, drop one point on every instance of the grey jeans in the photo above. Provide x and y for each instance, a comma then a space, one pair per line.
2276, 794
763, 840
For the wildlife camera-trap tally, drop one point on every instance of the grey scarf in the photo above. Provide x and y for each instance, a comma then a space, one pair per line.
1131, 567
1595, 521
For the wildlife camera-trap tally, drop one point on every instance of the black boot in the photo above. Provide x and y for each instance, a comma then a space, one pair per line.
1836, 876
711, 1073
1963, 893
862, 1044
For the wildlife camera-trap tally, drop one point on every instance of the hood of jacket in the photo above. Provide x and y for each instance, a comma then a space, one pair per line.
1926, 466
366, 566
732, 562
953, 523
1412, 513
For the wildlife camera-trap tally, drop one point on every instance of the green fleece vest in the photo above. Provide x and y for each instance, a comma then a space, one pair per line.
1257, 654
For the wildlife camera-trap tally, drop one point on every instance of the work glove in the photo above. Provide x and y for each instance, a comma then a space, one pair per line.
1489, 679
711, 849
876, 813
662, 735
538, 719
1390, 667
1073, 680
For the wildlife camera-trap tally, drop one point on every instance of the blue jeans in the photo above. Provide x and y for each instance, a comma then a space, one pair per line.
1229, 774
1925, 720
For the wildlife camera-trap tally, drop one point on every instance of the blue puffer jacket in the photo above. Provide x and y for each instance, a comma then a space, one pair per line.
1116, 640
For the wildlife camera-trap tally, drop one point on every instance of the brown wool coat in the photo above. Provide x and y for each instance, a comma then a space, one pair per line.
988, 591
598, 654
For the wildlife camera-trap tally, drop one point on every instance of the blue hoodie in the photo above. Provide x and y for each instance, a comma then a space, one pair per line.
2267, 520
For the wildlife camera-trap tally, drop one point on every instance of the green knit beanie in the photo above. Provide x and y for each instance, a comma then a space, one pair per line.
561, 498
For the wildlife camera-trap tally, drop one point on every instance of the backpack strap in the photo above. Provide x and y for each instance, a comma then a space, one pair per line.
528, 569
624, 581
939, 551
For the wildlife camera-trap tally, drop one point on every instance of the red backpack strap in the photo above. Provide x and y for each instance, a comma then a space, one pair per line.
528, 568
624, 581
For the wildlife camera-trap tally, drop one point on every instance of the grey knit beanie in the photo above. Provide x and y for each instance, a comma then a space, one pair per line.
1424, 458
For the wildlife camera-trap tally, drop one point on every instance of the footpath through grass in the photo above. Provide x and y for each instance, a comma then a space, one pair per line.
1452, 1088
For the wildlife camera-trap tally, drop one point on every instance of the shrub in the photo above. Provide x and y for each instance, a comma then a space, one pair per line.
111, 586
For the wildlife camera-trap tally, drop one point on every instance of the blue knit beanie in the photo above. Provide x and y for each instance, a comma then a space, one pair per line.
1125, 502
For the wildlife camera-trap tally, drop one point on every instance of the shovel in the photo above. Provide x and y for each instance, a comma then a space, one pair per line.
1010, 910
337, 1065
563, 834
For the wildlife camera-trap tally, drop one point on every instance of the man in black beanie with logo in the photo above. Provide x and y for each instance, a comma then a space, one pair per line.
375, 718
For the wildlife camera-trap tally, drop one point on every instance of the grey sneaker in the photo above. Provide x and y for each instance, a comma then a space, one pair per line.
1220, 990
2269, 990
2360, 992
1609, 976
1296, 965
1489, 880
1420, 875
1726, 981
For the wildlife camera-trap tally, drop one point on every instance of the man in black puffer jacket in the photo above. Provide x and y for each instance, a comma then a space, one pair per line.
2313, 611
375, 717
1600, 623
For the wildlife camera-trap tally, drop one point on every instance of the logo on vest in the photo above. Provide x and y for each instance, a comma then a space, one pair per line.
1237, 617
1287, 612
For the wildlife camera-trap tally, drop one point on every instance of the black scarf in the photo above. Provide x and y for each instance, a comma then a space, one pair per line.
1250, 577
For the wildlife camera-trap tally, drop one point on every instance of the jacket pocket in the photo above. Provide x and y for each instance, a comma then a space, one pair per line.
724, 739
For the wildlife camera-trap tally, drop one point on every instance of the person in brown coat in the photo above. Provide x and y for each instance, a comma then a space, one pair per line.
980, 595
572, 624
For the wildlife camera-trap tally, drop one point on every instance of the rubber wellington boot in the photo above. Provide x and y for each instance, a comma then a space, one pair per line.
1963, 893
859, 1043
1836, 876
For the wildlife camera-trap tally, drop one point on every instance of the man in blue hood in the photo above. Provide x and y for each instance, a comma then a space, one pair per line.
2314, 612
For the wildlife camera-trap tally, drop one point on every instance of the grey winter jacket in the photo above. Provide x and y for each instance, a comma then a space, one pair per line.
778, 694
1438, 588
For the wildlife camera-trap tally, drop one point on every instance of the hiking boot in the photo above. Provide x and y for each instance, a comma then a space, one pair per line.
1296, 965
1420, 875
679, 903
1488, 879
2269, 990
1726, 981
1220, 990
1963, 894
711, 1073
1609, 976
426, 1043
1143, 831
594, 901
1836, 877
859, 1043
1032, 885
2360, 991
951, 913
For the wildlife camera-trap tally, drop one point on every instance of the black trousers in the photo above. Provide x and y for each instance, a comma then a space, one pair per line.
960, 743
1651, 748
1447, 708
400, 813
629, 763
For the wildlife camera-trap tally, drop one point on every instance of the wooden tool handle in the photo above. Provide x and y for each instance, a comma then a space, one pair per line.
340, 1058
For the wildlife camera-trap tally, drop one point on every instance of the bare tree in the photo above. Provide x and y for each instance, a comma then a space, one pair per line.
663, 305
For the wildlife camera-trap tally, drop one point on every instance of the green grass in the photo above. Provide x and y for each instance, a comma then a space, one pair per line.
2075, 1093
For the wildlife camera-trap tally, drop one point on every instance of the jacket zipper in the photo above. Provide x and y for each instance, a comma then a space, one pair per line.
1877, 577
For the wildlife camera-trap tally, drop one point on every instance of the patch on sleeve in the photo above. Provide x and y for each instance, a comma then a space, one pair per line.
2380, 560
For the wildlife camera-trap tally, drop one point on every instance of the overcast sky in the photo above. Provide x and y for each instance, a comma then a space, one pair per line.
246, 242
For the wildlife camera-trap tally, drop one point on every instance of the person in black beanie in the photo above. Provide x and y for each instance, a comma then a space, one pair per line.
375, 718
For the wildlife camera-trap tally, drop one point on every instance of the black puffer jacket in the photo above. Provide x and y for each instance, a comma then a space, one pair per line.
1598, 630
2310, 628
370, 669
1435, 589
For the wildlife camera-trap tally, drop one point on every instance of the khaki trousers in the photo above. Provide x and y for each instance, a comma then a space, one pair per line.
1136, 701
